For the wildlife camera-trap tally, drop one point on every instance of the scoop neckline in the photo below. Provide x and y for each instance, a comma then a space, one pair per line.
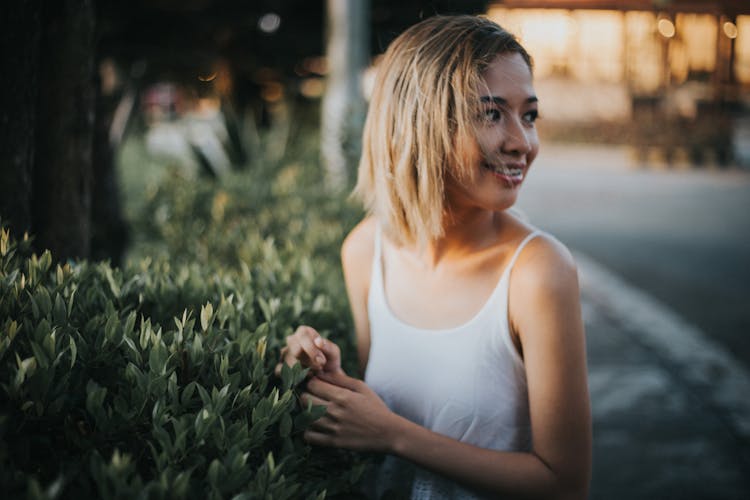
433, 331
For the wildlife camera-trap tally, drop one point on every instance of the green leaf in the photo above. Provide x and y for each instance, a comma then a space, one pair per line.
113, 286
71, 299
285, 425
157, 360
187, 393
146, 332
205, 398
39, 354
196, 350
60, 311
260, 347
181, 484
45, 261
110, 328
265, 308
95, 395
26, 368
224, 368
214, 472
207, 313
43, 300
42, 330
291, 376
136, 354
73, 351
49, 344
261, 411
129, 323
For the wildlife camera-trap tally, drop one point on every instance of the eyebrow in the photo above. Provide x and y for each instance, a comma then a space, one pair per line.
502, 101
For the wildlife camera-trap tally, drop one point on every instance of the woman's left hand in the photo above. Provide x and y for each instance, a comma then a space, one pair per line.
356, 418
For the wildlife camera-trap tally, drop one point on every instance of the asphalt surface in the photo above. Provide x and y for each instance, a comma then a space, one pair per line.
671, 416
682, 235
663, 261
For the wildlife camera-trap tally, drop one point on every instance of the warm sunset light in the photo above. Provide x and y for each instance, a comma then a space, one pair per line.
642, 50
207, 78
730, 29
666, 28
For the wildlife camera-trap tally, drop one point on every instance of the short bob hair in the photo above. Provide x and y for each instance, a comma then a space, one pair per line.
423, 109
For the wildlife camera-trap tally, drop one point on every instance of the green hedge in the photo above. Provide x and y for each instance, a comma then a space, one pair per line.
156, 380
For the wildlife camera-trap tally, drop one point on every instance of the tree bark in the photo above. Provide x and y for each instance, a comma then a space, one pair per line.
20, 26
61, 201
343, 111
109, 230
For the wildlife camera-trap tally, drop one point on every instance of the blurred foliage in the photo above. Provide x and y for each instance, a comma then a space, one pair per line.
156, 380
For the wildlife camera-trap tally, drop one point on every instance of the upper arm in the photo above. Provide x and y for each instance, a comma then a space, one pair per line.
545, 312
356, 259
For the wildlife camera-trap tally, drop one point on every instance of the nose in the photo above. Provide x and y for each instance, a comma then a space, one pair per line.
516, 140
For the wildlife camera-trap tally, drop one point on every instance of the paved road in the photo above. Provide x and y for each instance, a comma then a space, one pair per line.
681, 235
671, 417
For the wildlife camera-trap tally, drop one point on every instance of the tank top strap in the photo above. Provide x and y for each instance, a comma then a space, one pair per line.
520, 247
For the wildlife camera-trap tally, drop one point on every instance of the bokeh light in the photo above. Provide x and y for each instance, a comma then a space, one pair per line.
730, 29
666, 28
269, 23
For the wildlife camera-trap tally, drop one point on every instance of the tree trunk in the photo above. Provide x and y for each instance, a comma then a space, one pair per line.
20, 26
343, 112
61, 200
109, 231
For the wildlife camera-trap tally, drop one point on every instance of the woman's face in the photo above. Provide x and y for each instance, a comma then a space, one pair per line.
506, 138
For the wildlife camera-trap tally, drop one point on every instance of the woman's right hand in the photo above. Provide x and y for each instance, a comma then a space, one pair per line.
307, 347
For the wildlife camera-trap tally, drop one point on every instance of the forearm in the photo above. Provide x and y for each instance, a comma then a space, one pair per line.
515, 474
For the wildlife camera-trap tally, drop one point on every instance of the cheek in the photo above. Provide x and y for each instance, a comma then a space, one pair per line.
487, 141
534, 142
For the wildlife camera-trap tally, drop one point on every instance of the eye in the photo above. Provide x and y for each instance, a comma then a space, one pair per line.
491, 115
531, 116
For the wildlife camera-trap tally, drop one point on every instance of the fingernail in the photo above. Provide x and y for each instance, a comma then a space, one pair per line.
318, 341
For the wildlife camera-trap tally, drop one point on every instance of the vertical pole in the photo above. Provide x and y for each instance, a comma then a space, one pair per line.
343, 108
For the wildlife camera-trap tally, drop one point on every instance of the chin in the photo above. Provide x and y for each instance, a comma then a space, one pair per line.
504, 203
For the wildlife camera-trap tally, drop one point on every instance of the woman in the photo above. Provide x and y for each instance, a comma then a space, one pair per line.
467, 319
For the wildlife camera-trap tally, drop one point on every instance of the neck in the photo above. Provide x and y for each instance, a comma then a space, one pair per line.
464, 232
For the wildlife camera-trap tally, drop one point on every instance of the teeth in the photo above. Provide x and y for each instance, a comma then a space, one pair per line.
510, 172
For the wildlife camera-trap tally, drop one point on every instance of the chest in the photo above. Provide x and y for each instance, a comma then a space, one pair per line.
438, 299
464, 383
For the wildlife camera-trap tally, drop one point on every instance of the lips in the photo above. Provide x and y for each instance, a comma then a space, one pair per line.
513, 173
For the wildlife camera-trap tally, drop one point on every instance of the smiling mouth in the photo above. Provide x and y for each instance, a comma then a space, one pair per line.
510, 173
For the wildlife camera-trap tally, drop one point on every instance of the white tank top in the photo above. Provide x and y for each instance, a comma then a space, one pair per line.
466, 382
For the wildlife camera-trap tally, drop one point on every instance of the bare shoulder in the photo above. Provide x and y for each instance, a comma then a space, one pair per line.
544, 295
359, 245
545, 263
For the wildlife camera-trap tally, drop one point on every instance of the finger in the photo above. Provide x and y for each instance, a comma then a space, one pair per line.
315, 355
318, 438
308, 399
290, 354
325, 390
295, 351
329, 349
341, 379
325, 424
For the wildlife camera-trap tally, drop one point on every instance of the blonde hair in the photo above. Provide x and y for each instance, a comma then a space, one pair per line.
423, 110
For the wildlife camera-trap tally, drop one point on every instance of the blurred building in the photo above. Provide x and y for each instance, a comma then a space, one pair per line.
677, 72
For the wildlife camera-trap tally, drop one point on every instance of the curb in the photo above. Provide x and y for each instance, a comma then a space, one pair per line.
700, 361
